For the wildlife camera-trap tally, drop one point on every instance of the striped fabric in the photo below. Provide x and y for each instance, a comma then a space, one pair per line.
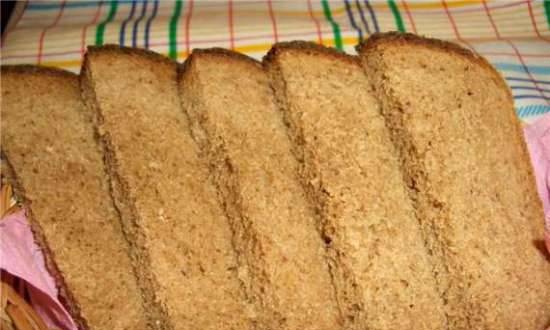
513, 35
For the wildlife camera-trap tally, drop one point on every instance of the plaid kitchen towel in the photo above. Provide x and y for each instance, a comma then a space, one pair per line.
513, 35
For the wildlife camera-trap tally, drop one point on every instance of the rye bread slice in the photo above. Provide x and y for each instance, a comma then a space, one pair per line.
170, 211
383, 274
282, 256
468, 172
53, 161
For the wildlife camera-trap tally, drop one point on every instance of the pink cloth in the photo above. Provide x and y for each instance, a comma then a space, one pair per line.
21, 257
537, 136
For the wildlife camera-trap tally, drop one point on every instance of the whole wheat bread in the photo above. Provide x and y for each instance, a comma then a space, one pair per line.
468, 172
350, 169
50, 156
180, 236
282, 256
412, 169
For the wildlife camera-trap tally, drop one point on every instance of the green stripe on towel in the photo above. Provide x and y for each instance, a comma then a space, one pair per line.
335, 27
173, 42
100, 31
397, 16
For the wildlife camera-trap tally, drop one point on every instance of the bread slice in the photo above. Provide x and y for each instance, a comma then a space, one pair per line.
452, 119
234, 120
383, 274
181, 238
50, 156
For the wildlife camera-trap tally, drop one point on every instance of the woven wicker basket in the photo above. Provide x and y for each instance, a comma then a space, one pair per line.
17, 313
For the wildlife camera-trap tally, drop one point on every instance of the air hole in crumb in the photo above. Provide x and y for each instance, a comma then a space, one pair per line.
327, 240
470, 93
437, 204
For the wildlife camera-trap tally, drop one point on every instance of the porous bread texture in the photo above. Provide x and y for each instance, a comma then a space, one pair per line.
468, 173
181, 238
50, 156
381, 267
282, 256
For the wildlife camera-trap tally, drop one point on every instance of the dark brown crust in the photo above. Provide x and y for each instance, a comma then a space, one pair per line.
309, 48
64, 293
395, 39
89, 99
402, 39
224, 53
182, 69
139, 52
221, 53
37, 70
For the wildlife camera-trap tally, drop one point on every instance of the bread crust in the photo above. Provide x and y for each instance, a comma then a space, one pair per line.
231, 145
336, 171
165, 195
458, 122
37, 70
225, 53
381, 39
66, 296
309, 48
66, 85
138, 52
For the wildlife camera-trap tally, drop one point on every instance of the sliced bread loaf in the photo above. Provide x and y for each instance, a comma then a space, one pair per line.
50, 156
234, 119
170, 211
467, 169
383, 274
